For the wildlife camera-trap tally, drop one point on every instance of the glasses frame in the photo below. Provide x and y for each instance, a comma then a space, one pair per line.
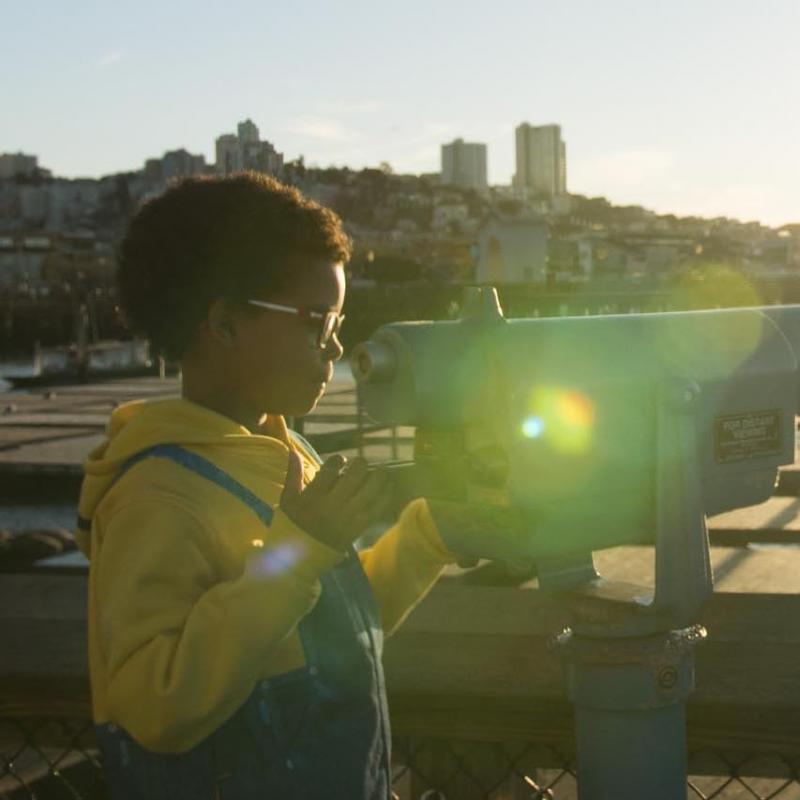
331, 321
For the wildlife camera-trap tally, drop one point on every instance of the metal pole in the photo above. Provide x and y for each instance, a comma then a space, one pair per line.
359, 420
630, 698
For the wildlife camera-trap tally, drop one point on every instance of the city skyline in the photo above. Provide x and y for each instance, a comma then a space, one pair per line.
686, 110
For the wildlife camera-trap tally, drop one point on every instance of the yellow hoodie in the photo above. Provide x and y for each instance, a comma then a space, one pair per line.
179, 634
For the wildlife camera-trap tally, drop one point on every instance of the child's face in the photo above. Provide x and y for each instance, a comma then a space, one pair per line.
281, 369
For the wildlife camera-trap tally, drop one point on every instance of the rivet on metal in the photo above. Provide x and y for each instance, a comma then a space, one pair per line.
667, 677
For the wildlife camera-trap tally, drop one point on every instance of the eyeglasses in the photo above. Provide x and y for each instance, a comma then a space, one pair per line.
330, 321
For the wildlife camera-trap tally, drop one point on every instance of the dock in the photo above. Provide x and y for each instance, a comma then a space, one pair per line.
51, 431
470, 672
45, 435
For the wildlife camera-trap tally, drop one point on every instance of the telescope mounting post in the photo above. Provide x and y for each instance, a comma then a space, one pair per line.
630, 663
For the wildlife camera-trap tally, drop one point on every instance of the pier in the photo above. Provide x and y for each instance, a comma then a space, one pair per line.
478, 699
46, 435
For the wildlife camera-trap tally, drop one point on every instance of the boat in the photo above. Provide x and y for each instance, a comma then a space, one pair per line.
87, 361
98, 361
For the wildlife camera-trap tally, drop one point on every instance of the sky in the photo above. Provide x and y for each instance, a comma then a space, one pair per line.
683, 107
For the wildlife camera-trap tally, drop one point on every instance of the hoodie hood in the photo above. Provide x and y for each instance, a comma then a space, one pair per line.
141, 424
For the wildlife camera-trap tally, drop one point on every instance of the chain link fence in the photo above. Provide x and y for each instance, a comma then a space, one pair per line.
56, 759
49, 758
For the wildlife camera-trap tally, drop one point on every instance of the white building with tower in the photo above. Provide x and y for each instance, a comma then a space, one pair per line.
513, 249
541, 160
464, 165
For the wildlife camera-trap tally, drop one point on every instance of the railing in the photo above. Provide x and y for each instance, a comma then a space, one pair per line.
478, 701
354, 432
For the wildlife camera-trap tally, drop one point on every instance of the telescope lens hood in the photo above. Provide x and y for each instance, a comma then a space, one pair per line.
372, 362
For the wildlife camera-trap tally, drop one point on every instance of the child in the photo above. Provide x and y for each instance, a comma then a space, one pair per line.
234, 633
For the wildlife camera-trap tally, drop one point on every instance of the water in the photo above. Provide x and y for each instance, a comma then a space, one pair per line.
28, 516
13, 368
341, 372
22, 516
47, 516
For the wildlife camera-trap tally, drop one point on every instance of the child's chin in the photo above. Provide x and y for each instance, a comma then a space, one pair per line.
302, 409
302, 404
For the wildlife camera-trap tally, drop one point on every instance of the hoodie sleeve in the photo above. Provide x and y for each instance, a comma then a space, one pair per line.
404, 563
181, 649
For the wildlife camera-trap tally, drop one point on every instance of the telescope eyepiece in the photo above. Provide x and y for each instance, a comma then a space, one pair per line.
371, 362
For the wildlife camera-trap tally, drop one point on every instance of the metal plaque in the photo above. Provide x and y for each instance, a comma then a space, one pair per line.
751, 434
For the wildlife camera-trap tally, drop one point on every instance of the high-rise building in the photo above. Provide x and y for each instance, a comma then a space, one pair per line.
245, 150
181, 163
262, 157
464, 165
173, 164
541, 160
153, 172
248, 132
12, 164
228, 154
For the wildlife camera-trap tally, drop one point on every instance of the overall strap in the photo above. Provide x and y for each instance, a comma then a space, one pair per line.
305, 443
201, 466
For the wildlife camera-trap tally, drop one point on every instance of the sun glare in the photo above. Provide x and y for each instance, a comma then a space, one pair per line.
564, 418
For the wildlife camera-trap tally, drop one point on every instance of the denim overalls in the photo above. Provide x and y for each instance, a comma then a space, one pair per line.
317, 732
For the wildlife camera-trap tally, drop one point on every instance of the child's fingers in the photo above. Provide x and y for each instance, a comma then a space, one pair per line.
328, 475
374, 487
293, 485
349, 484
375, 505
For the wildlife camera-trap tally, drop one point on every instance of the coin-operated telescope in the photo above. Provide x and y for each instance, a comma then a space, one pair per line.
543, 440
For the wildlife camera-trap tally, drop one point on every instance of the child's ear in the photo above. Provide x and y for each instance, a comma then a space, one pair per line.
221, 321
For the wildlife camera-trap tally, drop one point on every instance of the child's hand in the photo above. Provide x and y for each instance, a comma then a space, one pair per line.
340, 503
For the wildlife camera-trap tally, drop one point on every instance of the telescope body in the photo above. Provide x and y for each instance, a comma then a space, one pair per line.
566, 418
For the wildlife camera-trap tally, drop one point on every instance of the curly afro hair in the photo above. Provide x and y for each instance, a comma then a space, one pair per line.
236, 237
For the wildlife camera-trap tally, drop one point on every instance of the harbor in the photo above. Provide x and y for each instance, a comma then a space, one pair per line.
472, 675
564, 336
45, 436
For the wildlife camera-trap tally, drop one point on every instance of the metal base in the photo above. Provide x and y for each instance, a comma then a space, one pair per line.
630, 698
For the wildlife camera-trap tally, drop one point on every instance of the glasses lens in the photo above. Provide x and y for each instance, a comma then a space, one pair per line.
328, 328
331, 326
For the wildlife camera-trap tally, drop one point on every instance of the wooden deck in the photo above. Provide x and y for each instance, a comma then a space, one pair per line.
472, 661
50, 432
46, 435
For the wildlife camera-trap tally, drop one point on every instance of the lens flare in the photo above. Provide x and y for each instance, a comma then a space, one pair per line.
726, 346
276, 561
564, 418
533, 427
